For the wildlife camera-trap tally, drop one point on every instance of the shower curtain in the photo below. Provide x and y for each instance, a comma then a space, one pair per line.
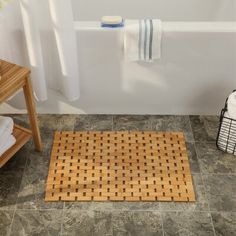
40, 34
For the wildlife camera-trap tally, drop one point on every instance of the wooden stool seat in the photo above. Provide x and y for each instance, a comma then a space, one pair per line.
13, 78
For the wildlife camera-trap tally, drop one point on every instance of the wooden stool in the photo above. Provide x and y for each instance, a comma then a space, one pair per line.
13, 78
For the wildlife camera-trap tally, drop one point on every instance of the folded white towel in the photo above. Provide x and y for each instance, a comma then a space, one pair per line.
231, 104
6, 126
9, 142
142, 39
5, 134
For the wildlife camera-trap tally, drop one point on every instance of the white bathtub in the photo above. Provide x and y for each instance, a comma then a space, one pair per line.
195, 74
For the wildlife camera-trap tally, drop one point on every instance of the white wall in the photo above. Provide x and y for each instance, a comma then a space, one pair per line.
167, 10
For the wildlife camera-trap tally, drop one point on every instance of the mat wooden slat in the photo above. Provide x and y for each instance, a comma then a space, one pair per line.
119, 166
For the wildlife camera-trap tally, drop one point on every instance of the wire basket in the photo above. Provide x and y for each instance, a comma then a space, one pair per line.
226, 138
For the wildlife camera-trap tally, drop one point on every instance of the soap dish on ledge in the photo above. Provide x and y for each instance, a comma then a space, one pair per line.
112, 22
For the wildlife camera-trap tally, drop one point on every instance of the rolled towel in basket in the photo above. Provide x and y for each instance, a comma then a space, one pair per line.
231, 105
226, 140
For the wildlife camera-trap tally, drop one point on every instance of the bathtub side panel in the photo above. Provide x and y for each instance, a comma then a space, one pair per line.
194, 75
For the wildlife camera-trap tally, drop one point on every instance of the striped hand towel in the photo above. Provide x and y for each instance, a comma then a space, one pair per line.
142, 39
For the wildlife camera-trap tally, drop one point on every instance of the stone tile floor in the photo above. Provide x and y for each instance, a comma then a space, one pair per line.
22, 183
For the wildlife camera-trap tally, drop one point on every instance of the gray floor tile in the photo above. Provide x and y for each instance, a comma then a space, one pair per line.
205, 128
201, 203
224, 223
5, 221
136, 223
56, 122
34, 222
86, 223
221, 192
47, 124
113, 206
32, 189
47, 140
9, 188
21, 119
193, 160
132, 122
11, 174
136, 206
213, 161
17, 162
174, 123
93, 122
89, 206
187, 223
26, 175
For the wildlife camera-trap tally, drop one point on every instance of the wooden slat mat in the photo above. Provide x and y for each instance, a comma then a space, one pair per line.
119, 166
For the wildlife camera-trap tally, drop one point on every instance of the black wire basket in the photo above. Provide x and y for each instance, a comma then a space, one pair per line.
226, 138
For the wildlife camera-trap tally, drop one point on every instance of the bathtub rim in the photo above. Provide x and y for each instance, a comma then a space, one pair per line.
168, 26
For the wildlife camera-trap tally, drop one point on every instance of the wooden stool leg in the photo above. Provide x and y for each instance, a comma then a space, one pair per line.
32, 114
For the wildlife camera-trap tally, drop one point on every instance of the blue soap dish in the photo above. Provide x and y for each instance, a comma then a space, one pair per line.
112, 21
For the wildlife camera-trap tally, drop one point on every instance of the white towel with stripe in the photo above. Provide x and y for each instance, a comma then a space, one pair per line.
142, 39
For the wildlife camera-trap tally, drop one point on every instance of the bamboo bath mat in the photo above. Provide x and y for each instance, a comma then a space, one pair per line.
119, 166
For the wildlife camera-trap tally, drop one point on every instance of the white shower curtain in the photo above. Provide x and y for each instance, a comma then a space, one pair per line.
40, 34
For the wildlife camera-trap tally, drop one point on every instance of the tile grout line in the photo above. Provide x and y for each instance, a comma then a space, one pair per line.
162, 223
153, 125
75, 122
200, 173
223, 174
63, 209
112, 122
203, 182
145, 210
191, 129
14, 212
206, 194
212, 224
34, 209
13, 216
192, 173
